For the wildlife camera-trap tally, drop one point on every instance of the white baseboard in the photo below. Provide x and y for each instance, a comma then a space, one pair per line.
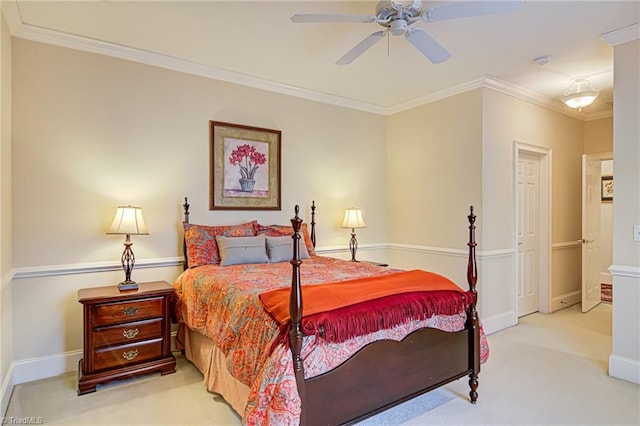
44, 367
499, 322
31, 369
566, 300
5, 391
624, 368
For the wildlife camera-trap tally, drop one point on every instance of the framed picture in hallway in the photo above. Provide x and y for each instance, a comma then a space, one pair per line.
244, 167
607, 189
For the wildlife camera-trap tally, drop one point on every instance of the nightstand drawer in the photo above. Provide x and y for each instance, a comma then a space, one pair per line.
120, 356
129, 332
117, 313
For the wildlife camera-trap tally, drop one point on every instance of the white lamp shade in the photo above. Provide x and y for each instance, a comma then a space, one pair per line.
353, 219
580, 94
580, 100
128, 221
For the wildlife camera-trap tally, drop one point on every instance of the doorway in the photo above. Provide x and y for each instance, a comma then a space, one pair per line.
532, 185
597, 223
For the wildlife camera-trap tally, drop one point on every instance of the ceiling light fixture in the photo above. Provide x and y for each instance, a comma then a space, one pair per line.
580, 94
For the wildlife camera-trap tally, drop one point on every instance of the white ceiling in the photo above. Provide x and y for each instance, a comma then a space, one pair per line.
256, 39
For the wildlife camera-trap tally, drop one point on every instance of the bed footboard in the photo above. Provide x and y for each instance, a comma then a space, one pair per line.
384, 373
424, 360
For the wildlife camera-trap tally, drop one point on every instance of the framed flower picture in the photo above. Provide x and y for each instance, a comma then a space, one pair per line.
244, 167
607, 189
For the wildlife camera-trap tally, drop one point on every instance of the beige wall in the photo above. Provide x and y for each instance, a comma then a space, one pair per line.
434, 165
6, 308
598, 136
449, 154
506, 120
625, 359
434, 169
92, 132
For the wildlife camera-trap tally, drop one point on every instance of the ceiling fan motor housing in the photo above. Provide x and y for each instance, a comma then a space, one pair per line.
390, 11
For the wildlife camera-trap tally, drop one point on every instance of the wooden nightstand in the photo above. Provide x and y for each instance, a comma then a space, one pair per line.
125, 333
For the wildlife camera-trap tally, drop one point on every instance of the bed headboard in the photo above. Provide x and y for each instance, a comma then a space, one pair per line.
185, 208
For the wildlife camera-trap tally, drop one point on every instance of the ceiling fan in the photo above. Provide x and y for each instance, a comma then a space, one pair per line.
397, 17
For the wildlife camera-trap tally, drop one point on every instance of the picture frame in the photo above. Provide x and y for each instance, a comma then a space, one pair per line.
606, 189
244, 167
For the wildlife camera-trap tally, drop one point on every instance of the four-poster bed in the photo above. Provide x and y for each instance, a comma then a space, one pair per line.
311, 368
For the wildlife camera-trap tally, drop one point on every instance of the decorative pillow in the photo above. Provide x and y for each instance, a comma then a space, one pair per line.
280, 249
200, 240
241, 250
284, 230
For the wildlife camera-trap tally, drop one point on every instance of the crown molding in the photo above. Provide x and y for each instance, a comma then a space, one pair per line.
433, 97
622, 35
85, 44
535, 98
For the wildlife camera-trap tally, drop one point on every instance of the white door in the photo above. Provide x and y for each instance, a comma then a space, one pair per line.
590, 232
528, 199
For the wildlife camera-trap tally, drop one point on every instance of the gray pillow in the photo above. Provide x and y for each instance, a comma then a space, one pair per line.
240, 250
280, 249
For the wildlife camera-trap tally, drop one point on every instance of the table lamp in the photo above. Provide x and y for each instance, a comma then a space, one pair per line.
353, 219
128, 221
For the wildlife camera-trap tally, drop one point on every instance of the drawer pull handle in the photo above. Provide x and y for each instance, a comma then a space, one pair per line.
131, 333
130, 311
130, 355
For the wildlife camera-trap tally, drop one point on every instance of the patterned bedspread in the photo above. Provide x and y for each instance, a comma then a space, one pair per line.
223, 304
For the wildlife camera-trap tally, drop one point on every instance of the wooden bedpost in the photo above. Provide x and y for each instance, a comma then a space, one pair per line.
185, 206
472, 320
313, 222
295, 311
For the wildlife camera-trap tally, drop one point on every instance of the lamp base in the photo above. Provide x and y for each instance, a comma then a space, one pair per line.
127, 285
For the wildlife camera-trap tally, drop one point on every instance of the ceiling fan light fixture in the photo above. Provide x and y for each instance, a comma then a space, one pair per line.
580, 94
398, 27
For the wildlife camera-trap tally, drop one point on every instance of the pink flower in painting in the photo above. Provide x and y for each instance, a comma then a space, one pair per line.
248, 159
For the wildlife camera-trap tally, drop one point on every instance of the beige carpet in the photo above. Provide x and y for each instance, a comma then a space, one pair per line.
549, 370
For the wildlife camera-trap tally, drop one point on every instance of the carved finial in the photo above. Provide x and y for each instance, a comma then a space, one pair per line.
296, 222
186, 210
313, 222
471, 217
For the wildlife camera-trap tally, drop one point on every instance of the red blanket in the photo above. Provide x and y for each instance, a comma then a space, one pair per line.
341, 310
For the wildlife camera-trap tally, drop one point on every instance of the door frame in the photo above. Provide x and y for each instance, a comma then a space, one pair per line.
544, 214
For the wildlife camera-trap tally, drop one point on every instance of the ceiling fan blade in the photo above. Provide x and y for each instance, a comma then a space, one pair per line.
305, 18
360, 48
465, 9
427, 45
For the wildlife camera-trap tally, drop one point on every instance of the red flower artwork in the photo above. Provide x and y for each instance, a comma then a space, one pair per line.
248, 159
